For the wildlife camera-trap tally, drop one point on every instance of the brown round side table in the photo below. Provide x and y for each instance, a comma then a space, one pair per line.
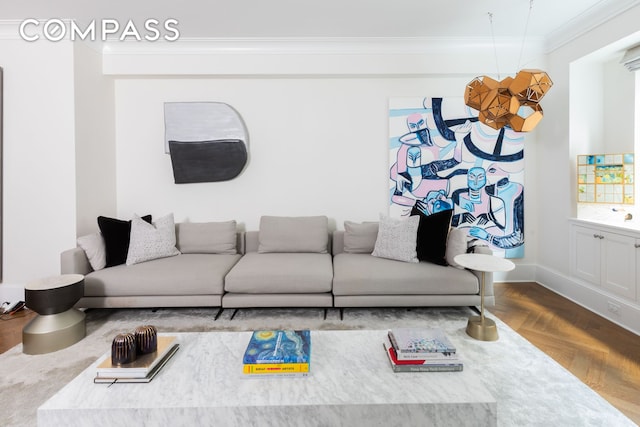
58, 325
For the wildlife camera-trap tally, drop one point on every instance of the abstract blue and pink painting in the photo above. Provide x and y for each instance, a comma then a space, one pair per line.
441, 157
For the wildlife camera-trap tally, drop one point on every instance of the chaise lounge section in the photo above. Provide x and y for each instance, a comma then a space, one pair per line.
364, 280
193, 278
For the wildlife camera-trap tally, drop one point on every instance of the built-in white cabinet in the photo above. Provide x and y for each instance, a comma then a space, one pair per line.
607, 258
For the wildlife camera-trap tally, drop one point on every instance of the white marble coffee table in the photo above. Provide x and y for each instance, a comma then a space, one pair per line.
351, 383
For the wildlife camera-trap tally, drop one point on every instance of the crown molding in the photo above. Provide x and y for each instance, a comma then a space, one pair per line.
593, 17
9, 29
320, 46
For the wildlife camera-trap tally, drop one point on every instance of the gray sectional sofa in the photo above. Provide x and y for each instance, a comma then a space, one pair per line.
288, 262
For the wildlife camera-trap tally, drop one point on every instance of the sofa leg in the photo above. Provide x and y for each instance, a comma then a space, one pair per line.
342, 314
235, 310
325, 314
220, 310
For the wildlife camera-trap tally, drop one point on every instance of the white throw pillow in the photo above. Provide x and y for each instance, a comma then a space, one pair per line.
152, 241
456, 245
397, 238
94, 247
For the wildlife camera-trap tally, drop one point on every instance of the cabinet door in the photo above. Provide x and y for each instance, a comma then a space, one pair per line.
619, 264
586, 253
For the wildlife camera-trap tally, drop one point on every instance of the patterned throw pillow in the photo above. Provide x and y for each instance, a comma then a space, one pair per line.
397, 238
152, 241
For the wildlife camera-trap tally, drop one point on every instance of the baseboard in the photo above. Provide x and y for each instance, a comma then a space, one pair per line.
623, 313
11, 292
522, 273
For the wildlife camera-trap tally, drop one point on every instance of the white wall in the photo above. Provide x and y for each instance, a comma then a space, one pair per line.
95, 149
39, 218
557, 148
619, 107
317, 145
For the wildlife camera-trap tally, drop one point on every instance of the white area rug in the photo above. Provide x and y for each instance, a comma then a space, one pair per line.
531, 389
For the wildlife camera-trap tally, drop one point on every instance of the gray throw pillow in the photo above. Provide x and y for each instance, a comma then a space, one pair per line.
456, 245
360, 238
397, 238
293, 234
207, 237
94, 248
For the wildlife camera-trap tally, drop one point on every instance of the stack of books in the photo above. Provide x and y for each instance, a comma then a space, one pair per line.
283, 353
421, 350
141, 370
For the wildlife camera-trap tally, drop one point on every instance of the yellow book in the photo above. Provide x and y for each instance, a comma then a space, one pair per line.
274, 368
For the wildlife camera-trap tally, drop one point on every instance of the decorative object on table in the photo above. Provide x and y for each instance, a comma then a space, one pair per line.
606, 178
481, 327
123, 349
145, 366
278, 352
207, 141
146, 339
513, 101
58, 324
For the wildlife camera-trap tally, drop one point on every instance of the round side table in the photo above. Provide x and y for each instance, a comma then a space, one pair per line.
479, 327
58, 324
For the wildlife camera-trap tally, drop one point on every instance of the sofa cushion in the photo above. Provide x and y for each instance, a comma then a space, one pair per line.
94, 248
207, 237
151, 241
397, 238
116, 234
360, 238
281, 273
293, 234
432, 235
362, 274
185, 274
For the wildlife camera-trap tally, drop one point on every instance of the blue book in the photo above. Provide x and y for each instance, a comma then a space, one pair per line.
279, 346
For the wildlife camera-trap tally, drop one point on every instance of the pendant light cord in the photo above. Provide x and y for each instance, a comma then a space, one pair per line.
493, 38
524, 36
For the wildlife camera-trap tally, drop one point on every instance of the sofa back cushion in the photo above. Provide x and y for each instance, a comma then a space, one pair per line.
207, 237
360, 238
293, 234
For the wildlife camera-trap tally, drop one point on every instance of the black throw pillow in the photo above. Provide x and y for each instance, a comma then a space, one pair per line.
433, 231
116, 234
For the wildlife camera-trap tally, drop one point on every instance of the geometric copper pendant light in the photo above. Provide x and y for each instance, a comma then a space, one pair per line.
511, 102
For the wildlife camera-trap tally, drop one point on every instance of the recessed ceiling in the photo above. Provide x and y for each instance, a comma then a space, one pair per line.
336, 18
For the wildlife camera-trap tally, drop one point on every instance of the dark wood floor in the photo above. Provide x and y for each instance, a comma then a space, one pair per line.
603, 355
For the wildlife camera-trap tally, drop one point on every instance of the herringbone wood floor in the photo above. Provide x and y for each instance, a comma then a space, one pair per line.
603, 355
